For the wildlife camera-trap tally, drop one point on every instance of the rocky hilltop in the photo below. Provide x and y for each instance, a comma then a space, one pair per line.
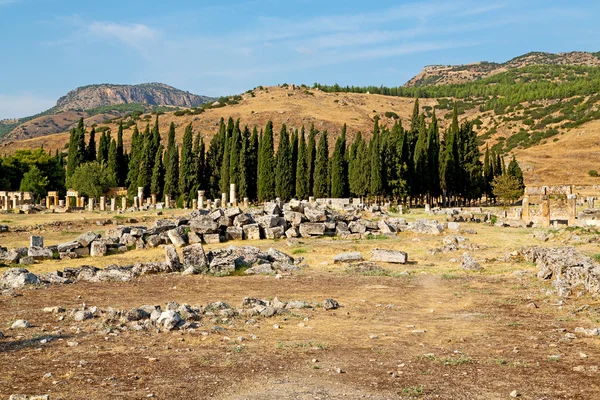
156, 94
454, 74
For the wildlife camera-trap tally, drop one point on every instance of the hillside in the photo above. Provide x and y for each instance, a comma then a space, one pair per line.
457, 74
102, 101
566, 159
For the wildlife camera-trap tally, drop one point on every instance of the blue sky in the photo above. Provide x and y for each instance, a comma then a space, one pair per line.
49, 47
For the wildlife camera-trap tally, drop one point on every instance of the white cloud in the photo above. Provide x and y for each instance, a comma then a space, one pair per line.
23, 105
133, 35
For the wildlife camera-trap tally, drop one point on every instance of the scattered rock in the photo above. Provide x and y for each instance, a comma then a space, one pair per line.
469, 263
389, 256
20, 324
347, 257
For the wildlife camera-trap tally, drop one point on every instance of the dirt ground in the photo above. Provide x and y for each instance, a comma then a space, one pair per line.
438, 332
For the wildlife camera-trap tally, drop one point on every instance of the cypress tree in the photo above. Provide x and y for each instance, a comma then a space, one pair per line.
235, 150
311, 157
360, 167
225, 181
448, 165
433, 162
284, 180
420, 159
376, 181
266, 167
199, 153
515, 171
113, 167
121, 159
294, 147
488, 173
146, 163
134, 160
214, 158
91, 148
77, 150
187, 171
321, 175
252, 165
172, 166
158, 174
103, 145
244, 171
339, 176
302, 180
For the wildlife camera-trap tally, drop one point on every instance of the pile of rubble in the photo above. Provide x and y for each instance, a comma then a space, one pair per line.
570, 270
219, 262
273, 221
175, 316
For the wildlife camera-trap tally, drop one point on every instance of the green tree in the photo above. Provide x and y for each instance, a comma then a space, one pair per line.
103, 145
507, 187
514, 170
359, 167
158, 174
187, 170
252, 165
284, 179
134, 161
112, 159
266, 165
302, 180
311, 152
172, 166
339, 174
90, 153
214, 159
77, 151
121, 159
376, 182
200, 157
34, 181
91, 179
235, 150
321, 175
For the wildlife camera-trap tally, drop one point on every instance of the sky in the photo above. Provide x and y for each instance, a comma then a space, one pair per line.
225, 47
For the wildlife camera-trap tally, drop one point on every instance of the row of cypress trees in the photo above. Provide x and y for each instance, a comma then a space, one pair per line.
414, 164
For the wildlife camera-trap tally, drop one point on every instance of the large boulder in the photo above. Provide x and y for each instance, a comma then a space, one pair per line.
176, 238
242, 219
87, 238
98, 248
17, 278
114, 273
172, 258
252, 232
357, 226
232, 212
315, 214
349, 257
272, 209
194, 259
389, 256
68, 246
274, 233
40, 253
204, 224
308, 229
235, 233
9, 256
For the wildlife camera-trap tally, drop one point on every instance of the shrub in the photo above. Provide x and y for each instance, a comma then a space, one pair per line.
593, 172
391, 114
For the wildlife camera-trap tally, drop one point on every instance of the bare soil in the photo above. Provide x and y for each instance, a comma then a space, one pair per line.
438, 332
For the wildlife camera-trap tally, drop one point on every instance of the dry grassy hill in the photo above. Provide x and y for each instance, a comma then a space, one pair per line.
566, 158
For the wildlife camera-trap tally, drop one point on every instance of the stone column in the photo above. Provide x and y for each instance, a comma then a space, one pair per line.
200, 199
194, 204
82, 202
124, 203
91, 204
15, 202
102, 203
153, 199
525, 207
590, 202
223, 200
519, 214
113, 204
427, 208
545, 211
167, 201
136, 202
140, 196
246, 202
61, 203
572, 208
311, 199
217, 203
232, 196
208, 204
400, 209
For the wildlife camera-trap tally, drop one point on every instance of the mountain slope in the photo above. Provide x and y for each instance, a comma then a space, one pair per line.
104, 101
456, 74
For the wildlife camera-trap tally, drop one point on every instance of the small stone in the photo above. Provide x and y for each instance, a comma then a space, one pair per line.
20, 324
276, 326
514, 393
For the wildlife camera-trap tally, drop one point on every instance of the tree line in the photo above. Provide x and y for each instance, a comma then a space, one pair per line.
416, 164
